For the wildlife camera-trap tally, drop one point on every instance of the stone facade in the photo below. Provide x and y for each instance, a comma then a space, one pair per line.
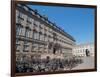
37, 37
84, 50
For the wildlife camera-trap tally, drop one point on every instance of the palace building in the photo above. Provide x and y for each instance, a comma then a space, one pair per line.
84, 50
38, 37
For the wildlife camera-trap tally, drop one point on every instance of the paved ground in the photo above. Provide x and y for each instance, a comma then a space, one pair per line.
88, 63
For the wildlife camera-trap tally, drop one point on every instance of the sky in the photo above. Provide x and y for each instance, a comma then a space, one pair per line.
78, 22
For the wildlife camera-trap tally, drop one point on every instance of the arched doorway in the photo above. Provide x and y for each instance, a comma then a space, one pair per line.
47, 59
54, 50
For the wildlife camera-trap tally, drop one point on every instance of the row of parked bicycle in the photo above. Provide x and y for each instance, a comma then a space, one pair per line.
44, 65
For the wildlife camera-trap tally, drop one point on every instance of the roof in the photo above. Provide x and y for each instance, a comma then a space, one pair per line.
47, 20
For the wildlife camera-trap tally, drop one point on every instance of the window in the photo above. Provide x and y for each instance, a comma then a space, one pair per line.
27, 32
41, 37
36, 23
24, 58
17, 13
33, 46
33, 35
17, 45
19, 58
25, 49
19, 29
50, 45
36, 35
40, 27
21, 16
29, 20
45, 37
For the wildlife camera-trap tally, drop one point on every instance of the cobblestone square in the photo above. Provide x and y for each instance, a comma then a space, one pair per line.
88, 63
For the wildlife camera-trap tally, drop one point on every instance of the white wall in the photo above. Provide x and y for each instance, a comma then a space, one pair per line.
79, 50
5, 34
